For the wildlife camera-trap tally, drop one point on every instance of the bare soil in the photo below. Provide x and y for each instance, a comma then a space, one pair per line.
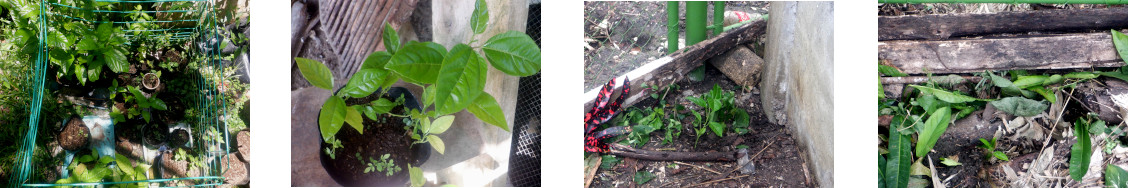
781, 163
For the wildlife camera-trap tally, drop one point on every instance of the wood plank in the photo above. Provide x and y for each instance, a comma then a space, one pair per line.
942, 26
976, 55
674, 67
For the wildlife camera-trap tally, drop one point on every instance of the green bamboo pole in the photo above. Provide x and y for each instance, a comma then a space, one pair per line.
695, 19
1011, 1
718, 17
672, 28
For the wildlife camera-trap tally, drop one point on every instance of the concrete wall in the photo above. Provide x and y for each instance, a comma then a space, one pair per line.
797, 86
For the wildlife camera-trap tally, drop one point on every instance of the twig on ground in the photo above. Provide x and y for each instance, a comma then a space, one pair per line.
717, 181
695, 166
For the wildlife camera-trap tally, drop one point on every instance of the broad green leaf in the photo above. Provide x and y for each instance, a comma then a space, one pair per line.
316, 73
116, 60
881, 171
1117, 75
124, 164
375, 108
930, 103
918, 169
353, 118
1121, 42
364, 82
391, 39
1048, 95
1081, 75
480, 17
436, 143
950, 161
642, 177
332, 117
88, 43
417, 62
1079, 154
1008, 87
57, 39
1116, 177
85, 159
1029, 81
945, 95
718, 128
105, 30
80, 73
513, 53
429, 96
935, 126
1053, 79
376, 60
890, 71
157, 104
441, 124
416, 176
897, 166
487, 110
1000, 155
461, 80
1020, 106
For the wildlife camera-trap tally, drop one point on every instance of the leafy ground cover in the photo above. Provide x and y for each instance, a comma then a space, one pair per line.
665, 122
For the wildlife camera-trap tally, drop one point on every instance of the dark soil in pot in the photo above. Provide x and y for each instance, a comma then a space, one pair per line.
155, 134
387, 136
75, 134
178, 138
150, 81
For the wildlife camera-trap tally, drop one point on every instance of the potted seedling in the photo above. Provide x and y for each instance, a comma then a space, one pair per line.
151, 81
75, 134
452, 80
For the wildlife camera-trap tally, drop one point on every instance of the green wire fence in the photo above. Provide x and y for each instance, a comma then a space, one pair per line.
197, 26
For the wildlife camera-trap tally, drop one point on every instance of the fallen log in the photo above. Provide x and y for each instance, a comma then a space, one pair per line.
1069, 51
943, 26
923, 79
674, 67
627, 151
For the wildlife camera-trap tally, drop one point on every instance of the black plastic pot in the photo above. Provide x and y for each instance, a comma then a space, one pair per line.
420, 152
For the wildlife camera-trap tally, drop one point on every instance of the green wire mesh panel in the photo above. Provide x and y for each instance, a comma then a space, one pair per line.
191, 22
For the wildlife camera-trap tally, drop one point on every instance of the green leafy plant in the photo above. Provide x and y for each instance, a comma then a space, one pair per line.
416, 174
717, 105
93, 168
193, 161
144, 104
385, 164
452, 80
642, 177
989, 145
1115, 176
1080, 153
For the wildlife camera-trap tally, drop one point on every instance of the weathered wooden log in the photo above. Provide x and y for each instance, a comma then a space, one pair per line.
674, 67
627, 151
942, 26
1069, 51
922, 79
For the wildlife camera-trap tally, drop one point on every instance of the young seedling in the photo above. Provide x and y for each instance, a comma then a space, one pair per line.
990, 146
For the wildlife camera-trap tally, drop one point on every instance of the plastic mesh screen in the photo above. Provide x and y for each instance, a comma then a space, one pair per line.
525, 159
